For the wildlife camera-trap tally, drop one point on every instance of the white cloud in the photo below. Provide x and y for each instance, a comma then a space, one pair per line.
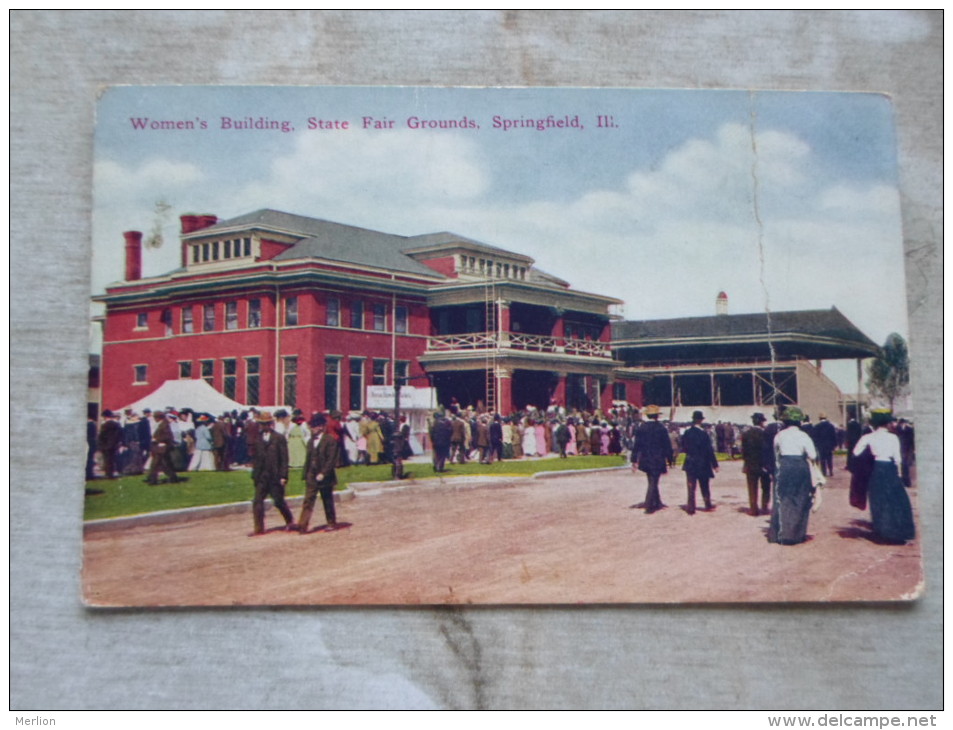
397, 170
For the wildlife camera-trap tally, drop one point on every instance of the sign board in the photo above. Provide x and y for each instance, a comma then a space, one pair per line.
381, 397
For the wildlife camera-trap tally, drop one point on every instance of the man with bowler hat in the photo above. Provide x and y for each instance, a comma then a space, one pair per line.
700, 461
319, 473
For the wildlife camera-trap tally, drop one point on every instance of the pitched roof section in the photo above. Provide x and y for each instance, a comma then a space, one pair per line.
814, 334
430, 242
328, 240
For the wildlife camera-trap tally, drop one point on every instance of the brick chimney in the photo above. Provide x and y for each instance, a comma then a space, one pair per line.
189, 223
133, 255
192, 223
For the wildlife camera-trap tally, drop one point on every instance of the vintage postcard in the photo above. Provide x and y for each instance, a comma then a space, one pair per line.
404, 346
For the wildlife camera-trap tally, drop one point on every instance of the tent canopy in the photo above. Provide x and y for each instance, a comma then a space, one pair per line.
195, 394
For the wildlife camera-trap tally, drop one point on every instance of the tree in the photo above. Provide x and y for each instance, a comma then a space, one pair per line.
888, 376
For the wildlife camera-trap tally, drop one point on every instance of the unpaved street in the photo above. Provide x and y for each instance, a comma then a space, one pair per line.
569, 539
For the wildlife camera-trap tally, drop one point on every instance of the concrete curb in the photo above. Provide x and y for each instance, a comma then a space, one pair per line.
191, 514
365, 489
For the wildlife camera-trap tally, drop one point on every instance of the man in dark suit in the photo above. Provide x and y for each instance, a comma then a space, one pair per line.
319, 474
755, 469
458, 439
440, 435
824, 436
650, 455
907, 449
160, 451
221, 433
700, 462
270, 473
109, 440
92, 441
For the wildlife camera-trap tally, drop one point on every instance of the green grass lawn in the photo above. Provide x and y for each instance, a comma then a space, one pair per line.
132, 496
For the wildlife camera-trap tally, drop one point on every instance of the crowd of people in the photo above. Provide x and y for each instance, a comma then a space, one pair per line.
784, 461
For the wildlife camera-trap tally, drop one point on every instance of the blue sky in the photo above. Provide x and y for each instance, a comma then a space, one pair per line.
785, 200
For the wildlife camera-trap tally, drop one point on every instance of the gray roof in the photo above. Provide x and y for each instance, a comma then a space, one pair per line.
821, 333
331, 241
428, 240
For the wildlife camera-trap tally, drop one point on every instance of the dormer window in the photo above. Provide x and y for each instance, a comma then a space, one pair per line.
226, 249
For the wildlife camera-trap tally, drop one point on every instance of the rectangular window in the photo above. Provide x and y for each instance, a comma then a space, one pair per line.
356, 383
254, 312
142, 320
291, 312
187, 325
228, 383
334, 312
227, 253
357, 315
204, 252
332, 383
196, 254
402, 371
166, 319
140, 374
214, 250
231, 315
208, 317
380, 373
618, 391
208, 370
400, 320
185, 370
247, 250
379, 323
252, 365
290, 380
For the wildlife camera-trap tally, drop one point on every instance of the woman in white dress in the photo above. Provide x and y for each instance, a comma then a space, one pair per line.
529, 438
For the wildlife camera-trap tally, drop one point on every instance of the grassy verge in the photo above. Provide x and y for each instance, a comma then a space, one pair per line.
131, 496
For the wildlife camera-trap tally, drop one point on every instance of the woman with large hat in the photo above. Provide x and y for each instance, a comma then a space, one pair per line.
890, 509
793, 490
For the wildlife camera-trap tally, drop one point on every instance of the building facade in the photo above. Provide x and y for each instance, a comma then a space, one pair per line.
272, 307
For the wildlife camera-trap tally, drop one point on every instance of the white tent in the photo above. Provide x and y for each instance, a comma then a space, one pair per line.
195, 394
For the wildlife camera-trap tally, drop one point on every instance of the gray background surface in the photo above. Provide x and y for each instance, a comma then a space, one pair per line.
63, 656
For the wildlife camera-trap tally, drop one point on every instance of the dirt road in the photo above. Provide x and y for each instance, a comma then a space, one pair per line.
569, 539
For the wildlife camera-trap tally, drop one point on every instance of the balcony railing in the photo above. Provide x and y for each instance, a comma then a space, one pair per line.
514, 341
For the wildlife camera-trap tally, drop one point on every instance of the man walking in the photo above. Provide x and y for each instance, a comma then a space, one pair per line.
650, 455
824, 436
700, 461
756, 471
160, 452
319, 474
270, 473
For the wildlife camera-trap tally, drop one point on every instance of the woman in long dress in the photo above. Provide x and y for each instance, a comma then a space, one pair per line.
529, 438
890, 509
298, 436
352, 434
541, 446
203, 459
793, 490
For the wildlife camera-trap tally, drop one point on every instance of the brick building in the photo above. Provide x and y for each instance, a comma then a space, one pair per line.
271, 307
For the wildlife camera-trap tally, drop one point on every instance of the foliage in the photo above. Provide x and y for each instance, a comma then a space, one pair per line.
888, 376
